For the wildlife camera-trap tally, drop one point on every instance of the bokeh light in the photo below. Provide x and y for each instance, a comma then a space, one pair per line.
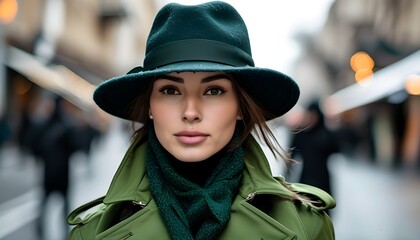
8, 10
362, 64
412, 85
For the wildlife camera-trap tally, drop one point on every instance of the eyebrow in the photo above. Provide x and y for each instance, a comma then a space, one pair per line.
172, 78
204, 80
216, 77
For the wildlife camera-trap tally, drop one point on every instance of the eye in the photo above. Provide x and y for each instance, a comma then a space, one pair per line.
169, 91
215, 91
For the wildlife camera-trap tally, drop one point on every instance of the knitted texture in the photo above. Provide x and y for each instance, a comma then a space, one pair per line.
191, 211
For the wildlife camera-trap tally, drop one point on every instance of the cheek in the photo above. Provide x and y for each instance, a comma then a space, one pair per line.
163, 119
224, 118
228, 111
162, 122
162, 110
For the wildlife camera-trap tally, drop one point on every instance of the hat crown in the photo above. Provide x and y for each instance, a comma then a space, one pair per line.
217, 23
210, 37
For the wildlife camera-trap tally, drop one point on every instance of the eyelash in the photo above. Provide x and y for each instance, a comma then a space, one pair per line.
165, 90
208, 91
219, 89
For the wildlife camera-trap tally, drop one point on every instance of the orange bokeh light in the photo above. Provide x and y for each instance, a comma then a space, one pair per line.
361, 60
362, 64
8, 10
362, 74
412, 85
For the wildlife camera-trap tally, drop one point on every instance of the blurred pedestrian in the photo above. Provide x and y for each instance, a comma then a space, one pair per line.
34, 120
313, 144
5, 134
5, 130
53, 133
194, 171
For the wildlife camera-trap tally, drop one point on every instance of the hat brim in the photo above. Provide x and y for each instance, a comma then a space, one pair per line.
275, 92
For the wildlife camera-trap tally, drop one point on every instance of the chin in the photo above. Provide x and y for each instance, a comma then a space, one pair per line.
191, 157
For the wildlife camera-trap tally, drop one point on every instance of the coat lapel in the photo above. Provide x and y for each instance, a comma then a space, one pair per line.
130, 183
248, 222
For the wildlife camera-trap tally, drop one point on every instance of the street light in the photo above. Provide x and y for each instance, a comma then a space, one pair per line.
412, 85
362, 64
8, 10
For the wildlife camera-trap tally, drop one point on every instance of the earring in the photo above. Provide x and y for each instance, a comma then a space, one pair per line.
238, 117
150, 116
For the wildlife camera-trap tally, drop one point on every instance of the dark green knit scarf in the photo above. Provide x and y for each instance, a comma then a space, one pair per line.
191, 211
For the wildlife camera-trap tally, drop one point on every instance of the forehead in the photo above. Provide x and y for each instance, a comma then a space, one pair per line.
201, 76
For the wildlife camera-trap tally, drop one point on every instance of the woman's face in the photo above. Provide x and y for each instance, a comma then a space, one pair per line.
194, 114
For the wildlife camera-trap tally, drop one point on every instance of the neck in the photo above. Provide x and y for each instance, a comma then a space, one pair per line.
196, 172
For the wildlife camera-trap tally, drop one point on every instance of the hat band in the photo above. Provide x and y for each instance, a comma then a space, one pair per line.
197, 50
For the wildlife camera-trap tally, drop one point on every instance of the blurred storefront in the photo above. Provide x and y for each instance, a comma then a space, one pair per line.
384, 129
98, 39
94, 39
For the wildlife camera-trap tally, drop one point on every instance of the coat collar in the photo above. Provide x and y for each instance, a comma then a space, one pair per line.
130, 182
257, 177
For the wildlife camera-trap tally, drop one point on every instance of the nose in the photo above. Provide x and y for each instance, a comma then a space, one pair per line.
191, 111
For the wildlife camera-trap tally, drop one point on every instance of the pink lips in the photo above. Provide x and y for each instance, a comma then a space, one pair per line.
191, 137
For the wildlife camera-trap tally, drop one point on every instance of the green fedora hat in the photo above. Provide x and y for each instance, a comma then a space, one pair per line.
209, 37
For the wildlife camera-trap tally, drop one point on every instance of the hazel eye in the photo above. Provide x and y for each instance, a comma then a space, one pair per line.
169, 91
214, 91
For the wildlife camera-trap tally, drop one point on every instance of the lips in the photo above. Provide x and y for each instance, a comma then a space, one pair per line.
191, 137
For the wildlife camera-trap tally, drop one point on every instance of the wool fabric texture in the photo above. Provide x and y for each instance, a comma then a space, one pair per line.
191, 211
208, 37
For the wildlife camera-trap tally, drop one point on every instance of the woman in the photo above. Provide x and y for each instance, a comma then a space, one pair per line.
194, 171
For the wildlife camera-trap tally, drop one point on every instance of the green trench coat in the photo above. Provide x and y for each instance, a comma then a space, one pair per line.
263, 209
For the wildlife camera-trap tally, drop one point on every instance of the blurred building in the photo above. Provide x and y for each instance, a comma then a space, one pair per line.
96, 39
386, 129
102, 37
99, 39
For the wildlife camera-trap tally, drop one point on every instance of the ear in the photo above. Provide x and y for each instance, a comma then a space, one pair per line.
238, 117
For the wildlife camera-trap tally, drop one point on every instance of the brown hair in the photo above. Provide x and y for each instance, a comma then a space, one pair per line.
253, 118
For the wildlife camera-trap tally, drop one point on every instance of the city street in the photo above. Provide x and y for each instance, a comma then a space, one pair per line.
373, 202
64, 79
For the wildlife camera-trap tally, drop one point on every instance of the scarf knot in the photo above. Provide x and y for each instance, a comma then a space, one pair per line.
191, 211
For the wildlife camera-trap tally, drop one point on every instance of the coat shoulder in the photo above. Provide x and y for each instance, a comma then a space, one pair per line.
317, 198
313, 211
